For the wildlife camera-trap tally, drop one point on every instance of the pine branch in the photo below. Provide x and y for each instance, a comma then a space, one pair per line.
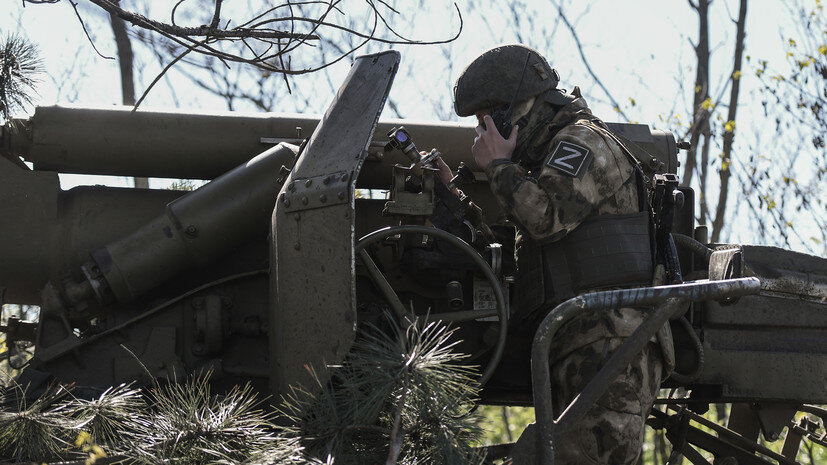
20, 67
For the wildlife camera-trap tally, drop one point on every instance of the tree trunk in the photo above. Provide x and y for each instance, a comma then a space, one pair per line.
729, 128
126, 61
700, 117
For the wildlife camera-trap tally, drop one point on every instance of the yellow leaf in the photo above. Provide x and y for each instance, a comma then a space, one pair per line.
83, 438
632, 101
791, 42
706, 104
697, 89
99, 453
616, 109
725, 164
736, 75
823, 50
803, 64
729, 126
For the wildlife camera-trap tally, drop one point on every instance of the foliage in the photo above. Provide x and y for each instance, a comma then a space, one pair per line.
400, 395
786, 173
402, 387
20, 66
34, 431
188, 424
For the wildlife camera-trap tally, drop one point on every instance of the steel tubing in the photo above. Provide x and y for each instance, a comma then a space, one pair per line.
668, 299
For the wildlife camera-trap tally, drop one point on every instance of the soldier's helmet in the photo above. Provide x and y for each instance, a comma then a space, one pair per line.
492, 78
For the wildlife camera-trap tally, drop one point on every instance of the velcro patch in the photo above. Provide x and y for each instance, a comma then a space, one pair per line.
571, 159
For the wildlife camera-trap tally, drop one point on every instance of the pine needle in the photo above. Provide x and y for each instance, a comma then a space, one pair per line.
20, 66
106, 418
352, 417
34, 432
189, 425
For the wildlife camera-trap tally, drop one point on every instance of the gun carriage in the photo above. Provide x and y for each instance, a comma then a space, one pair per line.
275, 263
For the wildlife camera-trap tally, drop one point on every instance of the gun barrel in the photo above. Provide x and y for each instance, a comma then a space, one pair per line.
168, 144
196, 228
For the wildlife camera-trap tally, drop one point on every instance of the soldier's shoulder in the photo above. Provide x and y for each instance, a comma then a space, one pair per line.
580, 130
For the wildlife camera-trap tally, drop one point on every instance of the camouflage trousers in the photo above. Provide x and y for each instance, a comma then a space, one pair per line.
611, 433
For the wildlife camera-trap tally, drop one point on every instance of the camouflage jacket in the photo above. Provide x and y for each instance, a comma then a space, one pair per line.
583, 173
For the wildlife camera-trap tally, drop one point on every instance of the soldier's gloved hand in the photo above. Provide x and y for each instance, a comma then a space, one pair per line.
445, 173
489, 145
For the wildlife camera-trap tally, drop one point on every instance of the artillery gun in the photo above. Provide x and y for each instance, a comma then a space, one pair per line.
273, 265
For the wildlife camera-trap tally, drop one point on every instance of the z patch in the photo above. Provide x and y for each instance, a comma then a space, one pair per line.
571, 159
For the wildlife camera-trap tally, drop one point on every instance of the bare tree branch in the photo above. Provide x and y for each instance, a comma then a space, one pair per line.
86, 31
267, 40
729, 128
586, 63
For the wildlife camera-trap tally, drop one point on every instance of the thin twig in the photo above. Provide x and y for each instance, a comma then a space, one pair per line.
586, 62
396, 434
158, 78
217, 16
92, 42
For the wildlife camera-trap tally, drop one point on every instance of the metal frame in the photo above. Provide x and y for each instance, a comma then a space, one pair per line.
669, 301
399, 309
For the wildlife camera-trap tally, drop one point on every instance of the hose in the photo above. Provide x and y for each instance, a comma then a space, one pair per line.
699, 349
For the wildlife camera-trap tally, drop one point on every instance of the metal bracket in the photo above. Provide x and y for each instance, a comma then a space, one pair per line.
411, 203
316, 192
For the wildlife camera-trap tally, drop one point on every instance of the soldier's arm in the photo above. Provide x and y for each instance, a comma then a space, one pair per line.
535, 210
579, 174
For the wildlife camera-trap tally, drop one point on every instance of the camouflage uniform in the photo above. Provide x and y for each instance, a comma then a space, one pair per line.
546, 204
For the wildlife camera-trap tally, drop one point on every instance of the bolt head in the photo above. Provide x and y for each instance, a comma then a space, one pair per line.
305, 200
323, 198
308, 183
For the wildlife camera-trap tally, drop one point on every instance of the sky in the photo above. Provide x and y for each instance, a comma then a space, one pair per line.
639, 49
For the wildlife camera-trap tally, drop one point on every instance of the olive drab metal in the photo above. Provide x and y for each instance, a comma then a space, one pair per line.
493, 79
267, 272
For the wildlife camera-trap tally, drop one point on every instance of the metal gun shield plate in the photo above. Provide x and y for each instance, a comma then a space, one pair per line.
313, 302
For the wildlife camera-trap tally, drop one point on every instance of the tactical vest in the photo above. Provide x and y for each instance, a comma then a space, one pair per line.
603, 252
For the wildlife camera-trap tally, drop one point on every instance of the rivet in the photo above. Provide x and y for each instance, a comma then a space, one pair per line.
304, 200
292, 185
308, 183
341, 195
326, 180
297, 246
191, 230
323, 198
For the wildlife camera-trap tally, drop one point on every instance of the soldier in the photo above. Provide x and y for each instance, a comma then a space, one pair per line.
578, 199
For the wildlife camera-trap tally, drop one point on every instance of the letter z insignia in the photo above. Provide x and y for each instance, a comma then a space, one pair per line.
571, 159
